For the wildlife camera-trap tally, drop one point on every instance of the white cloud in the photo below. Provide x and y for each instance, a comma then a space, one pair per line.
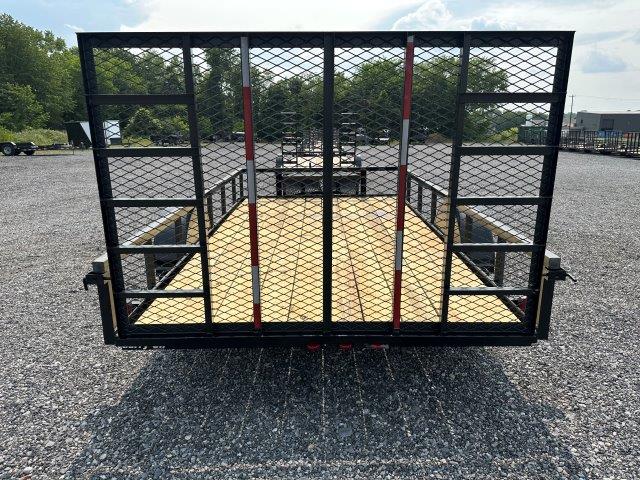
587, 38
487, 23
610, 29
600, 62
605, 57
255, 15
431, 15
75, 28
435, 15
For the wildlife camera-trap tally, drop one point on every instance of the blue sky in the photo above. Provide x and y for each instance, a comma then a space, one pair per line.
606, 58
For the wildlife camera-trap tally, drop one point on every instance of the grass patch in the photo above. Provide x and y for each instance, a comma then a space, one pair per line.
39, 136
506, 136
436, 137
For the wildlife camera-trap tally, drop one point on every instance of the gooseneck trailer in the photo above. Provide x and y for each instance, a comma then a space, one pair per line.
441, 239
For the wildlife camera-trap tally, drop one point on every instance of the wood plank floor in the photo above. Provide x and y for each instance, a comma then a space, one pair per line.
290, 239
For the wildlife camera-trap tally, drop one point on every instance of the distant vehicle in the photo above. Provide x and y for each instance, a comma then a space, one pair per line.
172, 139
420, 134
383, 137
361, 137
12, 148
218, 137
78, 134
237, 136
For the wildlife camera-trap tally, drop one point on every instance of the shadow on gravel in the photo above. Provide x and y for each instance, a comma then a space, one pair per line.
294, 414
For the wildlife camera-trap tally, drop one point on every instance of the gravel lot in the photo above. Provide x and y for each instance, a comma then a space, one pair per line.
73, 408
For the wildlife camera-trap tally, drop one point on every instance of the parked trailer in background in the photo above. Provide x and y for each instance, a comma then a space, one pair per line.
13, 148
602, 141
78, 133
442, 242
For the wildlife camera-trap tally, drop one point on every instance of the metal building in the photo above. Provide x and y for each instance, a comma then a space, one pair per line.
620, 121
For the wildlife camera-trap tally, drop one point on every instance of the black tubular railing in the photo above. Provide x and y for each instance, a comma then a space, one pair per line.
430, 200
217, 204
431, 204
348, 181
609, 142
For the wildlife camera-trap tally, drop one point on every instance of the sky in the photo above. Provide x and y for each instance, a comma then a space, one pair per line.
605, 67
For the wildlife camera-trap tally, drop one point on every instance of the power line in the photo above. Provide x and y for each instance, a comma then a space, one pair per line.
610, 98
571, 112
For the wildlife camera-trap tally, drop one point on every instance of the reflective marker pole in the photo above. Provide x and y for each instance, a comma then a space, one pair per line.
251, 181
402, 180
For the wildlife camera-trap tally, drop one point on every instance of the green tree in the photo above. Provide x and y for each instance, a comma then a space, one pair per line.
218, 91
374, 94
480, 119
78, 110
142, 124
274, 100
434, 92
40, 60
42, 86
19, 107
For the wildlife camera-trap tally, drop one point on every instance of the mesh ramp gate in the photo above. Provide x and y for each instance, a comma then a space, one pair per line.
275, 188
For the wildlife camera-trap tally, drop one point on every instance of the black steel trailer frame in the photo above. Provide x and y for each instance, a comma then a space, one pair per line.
422, 196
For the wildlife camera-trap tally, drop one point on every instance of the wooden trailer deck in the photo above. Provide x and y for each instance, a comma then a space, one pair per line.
290, 239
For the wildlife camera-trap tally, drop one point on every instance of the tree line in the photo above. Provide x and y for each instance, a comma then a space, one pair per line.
40, 82
41, 86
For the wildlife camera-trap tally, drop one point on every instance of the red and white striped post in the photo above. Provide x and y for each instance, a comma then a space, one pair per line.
251, 181
402, 179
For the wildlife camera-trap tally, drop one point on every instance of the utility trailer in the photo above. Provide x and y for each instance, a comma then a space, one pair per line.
446, 244
79, 136
603, 141
299, 166
13, 148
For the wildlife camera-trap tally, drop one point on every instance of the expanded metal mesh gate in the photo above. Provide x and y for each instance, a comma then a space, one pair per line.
265, 188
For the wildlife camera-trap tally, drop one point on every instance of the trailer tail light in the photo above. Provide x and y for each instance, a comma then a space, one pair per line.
522, 303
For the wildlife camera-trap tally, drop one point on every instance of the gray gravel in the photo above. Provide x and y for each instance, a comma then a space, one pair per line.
73, 408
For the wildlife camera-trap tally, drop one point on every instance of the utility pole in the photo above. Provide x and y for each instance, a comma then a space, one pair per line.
571, 111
